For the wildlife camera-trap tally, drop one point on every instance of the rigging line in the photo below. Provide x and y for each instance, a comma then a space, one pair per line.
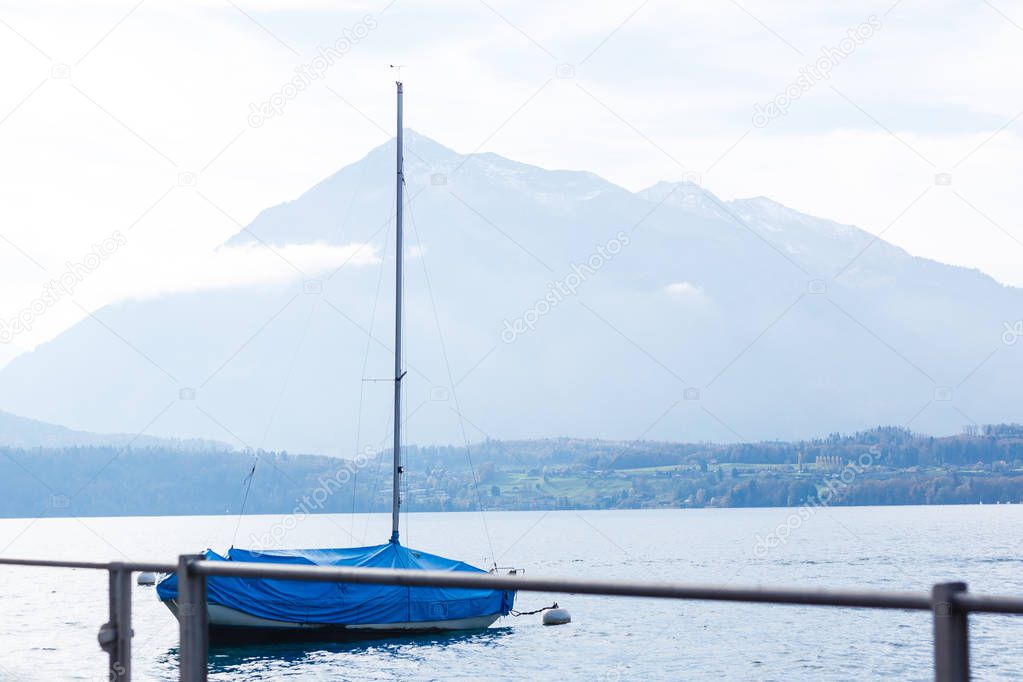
287, 376
402, 454
273, 415
355, 195
404, 483
451, 382
355, 485
376, 475
245, 498
380, 460
240, 495
403, 451
405, 478
365, 363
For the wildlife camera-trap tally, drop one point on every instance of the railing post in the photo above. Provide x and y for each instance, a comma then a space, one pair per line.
951, 634
115, 635
193, 650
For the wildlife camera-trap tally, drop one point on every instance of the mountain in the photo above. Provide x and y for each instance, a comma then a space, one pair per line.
568, 306
24, 433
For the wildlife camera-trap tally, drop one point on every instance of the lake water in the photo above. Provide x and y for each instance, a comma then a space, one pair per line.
49, 617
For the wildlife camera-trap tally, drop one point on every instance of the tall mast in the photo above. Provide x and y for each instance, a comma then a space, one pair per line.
398, 373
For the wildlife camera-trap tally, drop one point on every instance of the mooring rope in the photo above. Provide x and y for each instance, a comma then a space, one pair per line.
530, 613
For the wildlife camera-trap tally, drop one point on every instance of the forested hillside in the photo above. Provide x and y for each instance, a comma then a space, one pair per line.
881, 466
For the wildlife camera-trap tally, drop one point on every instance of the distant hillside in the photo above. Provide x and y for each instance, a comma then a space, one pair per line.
894, 447
881, 466
22, 432
111, 481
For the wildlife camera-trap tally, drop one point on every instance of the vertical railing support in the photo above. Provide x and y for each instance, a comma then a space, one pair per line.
951, 634
193, 620
115, 635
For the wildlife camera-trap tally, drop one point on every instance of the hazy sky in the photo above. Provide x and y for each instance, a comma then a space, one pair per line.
135, 121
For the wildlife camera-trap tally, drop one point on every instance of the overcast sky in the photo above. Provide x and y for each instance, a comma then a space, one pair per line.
139, 118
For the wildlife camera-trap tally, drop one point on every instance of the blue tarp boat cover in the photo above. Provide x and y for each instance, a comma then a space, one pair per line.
295, 601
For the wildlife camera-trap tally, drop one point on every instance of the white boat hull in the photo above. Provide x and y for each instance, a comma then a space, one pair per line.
228, 623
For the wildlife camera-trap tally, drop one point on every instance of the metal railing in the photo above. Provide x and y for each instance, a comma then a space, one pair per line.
949, 603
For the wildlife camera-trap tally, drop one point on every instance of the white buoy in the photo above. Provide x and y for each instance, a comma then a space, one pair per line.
146, 578
558, 616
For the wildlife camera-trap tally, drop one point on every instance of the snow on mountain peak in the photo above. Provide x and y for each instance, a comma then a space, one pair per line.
687, 195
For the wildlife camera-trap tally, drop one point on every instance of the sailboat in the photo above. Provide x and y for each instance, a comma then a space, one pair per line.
247, 609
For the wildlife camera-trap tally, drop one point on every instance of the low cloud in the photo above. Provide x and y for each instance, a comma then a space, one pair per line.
254, 264
222, 268
685, 290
